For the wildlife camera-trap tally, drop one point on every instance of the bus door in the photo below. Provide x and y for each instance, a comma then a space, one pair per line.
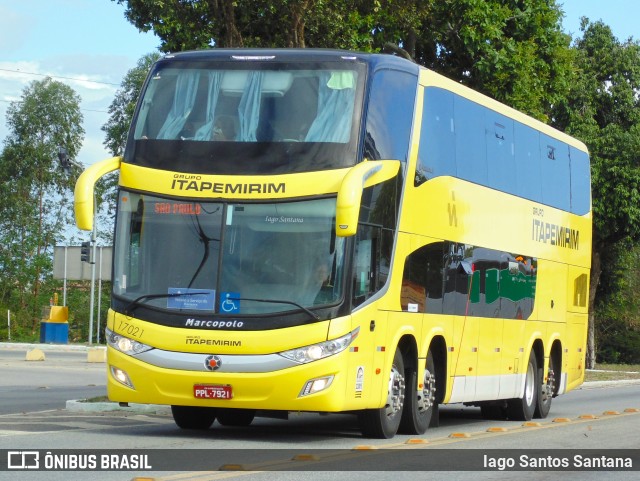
458, 276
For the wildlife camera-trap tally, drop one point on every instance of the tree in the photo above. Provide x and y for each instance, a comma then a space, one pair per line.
35, 193
512, 50
116, 131
603, 109
201, 24
124, 103
617, 311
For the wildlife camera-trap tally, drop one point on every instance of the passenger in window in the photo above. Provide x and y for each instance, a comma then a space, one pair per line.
188, 131
224, 128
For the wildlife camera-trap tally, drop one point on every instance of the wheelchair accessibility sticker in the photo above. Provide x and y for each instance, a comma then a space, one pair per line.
229, 302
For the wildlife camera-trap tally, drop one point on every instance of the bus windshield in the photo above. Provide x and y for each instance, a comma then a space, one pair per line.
218, 117
227, 258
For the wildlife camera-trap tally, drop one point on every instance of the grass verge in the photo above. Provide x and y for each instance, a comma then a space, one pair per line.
613, 372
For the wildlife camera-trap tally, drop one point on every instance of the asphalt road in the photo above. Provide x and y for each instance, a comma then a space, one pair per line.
596, 417
29, 386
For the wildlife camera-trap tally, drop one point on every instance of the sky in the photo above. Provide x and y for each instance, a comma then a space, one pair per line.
89, 45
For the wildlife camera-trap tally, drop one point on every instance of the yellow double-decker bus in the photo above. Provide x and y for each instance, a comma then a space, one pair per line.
328, 231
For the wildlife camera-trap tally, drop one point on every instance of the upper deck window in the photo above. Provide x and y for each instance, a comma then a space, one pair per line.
204, 117
248, 105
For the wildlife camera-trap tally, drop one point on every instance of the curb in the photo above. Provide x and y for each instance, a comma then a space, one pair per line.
82, 406
599, 384
50, 347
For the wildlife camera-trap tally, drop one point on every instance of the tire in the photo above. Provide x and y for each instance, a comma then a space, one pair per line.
383, 423
420, 405
235, 417
546, 390
522, 409
192, 417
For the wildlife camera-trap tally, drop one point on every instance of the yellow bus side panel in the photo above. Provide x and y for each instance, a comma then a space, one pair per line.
576, 342
457, 210
551, 296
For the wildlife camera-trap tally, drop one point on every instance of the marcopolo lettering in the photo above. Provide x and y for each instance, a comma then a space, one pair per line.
235, 324
198, 185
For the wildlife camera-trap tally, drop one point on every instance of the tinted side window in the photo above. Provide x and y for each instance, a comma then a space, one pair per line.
465, 280
368, 277
464, 139
471, 152
554, 161
390, 115
501, 169
422, 280
527, 152
580, 182
436, 154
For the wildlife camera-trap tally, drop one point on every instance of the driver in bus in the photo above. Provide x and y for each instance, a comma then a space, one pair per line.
318, 284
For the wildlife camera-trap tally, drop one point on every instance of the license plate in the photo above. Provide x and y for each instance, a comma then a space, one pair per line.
212, 391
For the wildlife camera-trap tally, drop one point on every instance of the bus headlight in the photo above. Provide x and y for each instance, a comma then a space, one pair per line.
124, 344
321, 350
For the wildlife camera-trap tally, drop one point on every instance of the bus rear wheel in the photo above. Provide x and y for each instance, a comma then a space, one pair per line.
546, 390
522, 409
383, 423
193, 417
235, 417
420, 404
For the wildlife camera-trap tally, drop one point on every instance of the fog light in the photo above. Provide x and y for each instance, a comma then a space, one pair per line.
121, 376
316, 385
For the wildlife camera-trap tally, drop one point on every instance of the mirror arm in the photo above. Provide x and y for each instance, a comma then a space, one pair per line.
364, 174
85, 187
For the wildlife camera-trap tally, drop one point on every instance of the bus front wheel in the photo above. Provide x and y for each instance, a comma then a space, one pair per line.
383, 423
193, 417
522, 409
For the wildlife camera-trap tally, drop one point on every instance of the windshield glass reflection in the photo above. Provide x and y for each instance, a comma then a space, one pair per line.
228, 259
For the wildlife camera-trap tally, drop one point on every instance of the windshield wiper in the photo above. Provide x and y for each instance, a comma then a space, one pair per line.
136, 302
277, 301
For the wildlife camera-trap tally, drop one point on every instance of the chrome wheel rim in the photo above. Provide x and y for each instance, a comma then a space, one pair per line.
395, 396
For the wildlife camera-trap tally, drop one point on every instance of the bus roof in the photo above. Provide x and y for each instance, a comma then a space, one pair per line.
374, 60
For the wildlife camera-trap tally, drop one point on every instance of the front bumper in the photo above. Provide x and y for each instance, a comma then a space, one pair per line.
160, 381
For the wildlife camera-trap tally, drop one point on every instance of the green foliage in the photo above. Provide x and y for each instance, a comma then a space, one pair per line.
35, 194
116, 131
78, 302
512, 50
618, 306
617, 342
602, 109
123, 105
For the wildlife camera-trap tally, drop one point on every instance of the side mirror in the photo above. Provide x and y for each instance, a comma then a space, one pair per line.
85, 186
364, 174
